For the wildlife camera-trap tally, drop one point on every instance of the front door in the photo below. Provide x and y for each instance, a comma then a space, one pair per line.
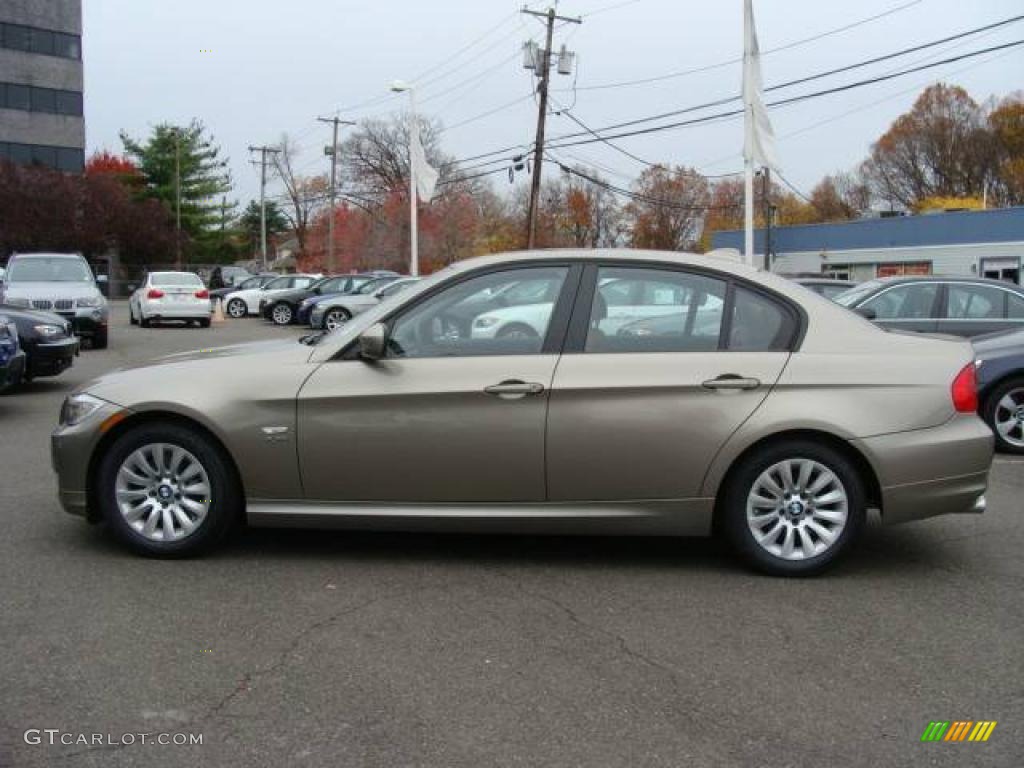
639, 411
448, 415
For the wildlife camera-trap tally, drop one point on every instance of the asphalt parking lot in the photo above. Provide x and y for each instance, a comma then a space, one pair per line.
311, 648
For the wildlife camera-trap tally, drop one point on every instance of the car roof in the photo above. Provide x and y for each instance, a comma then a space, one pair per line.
965, 279
43, 254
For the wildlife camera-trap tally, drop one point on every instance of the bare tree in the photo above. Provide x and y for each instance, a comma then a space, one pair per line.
305, 194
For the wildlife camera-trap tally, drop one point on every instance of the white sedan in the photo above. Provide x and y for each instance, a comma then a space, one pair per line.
241, 303
170, 296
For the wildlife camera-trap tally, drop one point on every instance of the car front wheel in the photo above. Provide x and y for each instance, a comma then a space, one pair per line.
793, 508
335, 318
281, 314
237, 309
167, 491
1004, 413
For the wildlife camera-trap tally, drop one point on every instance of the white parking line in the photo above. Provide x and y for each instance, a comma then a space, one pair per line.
1004, 460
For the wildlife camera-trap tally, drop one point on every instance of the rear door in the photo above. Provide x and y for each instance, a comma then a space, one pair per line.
639, 411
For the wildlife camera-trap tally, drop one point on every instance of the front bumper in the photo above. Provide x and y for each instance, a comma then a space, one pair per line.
13, 370
86, 321
71, 449
929, 472
50, 358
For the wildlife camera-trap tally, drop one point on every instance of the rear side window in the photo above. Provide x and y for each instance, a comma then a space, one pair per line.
975, 302
759, 323
655, 310
1014, 307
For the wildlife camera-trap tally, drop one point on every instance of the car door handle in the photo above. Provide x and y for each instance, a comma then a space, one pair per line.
732, 381
514, 388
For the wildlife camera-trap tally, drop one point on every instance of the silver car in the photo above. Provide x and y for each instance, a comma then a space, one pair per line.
777, 420
62, 283
333, 312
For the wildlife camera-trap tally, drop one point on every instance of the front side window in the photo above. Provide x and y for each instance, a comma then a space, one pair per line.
974, 302
477, 317
279, 282
913, 301
655, 310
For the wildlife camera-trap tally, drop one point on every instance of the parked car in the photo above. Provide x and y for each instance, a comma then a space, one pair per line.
305, 308
775, 437
247, 302
12, 358
47, 339
962, 306
1001, 387
255, 281
283, 308
826, 286
62, 283
333, 313
170, 296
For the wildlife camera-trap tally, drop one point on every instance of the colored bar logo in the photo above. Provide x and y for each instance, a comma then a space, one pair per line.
958, 730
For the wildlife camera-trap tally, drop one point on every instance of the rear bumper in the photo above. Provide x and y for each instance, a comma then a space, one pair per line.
192, 310
930, 472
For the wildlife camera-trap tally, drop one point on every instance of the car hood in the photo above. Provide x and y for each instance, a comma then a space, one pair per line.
50, 290
190, 381
34, 316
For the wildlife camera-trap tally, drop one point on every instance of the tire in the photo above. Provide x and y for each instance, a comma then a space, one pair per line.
335, 317
212, 499
797, 520
1003, 411
144, 322
204, 322
237, 309
282, 314
131, 316
517, 331
99, 339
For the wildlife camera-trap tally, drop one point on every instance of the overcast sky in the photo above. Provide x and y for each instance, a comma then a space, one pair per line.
254, 69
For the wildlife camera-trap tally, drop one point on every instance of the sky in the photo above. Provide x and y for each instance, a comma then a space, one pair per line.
253, 70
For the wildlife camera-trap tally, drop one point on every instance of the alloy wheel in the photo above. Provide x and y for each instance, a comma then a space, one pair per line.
335, 319
281, 314
163, 492
1009, 417
797, 509
236, 308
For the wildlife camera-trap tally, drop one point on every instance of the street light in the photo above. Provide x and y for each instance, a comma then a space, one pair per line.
400, 86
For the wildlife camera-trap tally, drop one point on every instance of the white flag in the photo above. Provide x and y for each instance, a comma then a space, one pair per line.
426, 176
759, 139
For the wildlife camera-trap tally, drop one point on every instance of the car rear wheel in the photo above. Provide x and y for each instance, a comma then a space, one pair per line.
236, 308
517, 331
131, 316
166, 491
204, 322
793, 508
335, 318
1004, 413
282, 314
99, 339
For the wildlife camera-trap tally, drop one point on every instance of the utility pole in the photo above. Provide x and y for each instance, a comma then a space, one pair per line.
264, 151
177, 198
766, 191
333, 152
538, 156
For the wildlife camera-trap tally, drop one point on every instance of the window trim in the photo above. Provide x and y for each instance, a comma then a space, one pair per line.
576, 339
555, 338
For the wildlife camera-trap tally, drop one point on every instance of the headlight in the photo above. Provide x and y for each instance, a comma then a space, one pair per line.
90, 301
486, 322
48, 330
8, 330
77, 407
305, 303
15, 301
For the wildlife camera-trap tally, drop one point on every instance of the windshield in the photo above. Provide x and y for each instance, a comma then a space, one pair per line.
41, 269
175, 278
854, 295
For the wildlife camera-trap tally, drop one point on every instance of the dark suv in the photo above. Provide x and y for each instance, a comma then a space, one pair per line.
962, 306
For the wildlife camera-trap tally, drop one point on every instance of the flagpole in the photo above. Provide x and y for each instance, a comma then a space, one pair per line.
748, 206
414, 256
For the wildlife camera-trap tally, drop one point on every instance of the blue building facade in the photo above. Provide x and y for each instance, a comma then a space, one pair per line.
983, 243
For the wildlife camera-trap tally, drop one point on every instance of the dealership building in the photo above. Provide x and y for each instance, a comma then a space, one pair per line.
974, 243
41, 83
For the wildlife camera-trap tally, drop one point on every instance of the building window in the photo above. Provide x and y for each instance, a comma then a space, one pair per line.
904, 268
836, 271
43, 41
68, 159
33, 99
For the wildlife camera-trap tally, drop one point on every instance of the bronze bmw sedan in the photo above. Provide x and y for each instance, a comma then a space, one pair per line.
613, 392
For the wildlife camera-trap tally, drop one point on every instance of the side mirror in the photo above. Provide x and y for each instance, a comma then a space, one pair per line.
132, 287
866, 312
101, 279
373, 342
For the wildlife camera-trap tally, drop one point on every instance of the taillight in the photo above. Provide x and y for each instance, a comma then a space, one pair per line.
154, 293
965, 389
202, 294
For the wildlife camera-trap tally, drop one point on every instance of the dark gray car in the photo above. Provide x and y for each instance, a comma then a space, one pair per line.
961, 306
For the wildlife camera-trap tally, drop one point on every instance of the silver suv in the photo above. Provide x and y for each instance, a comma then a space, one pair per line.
61, 283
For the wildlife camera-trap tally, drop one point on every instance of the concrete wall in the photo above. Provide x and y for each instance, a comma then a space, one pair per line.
58, 15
